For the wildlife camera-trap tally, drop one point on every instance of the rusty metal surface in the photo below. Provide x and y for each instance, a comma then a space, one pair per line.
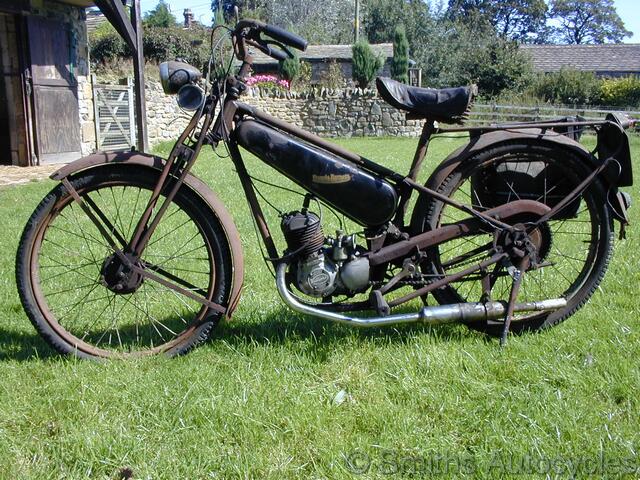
449, 232
157, 163
493, 139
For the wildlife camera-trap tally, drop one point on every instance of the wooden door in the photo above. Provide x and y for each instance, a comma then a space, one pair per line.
54, 91
14, 139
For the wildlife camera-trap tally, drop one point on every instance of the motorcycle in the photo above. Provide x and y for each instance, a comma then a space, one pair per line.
131, 254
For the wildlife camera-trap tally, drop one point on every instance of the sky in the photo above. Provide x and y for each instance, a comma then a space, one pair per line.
627, 9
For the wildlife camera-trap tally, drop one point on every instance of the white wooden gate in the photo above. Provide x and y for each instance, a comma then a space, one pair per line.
114, 116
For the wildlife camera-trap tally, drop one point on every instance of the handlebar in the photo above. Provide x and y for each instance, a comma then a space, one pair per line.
252, 37
269, 50
288, 38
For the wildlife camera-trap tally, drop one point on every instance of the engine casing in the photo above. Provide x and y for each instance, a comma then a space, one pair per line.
316, 276
323, 266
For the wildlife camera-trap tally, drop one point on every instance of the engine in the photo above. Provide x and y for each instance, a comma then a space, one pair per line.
323, 266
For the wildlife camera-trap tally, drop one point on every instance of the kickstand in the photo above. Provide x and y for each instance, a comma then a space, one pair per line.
515, 288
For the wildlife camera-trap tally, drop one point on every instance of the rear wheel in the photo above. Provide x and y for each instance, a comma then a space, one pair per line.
574, 247
79, 300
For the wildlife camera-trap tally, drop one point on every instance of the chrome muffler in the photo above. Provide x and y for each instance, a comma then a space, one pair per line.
436, 315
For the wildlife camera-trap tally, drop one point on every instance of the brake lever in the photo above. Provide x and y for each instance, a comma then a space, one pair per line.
279, 54
253, 38
281, 46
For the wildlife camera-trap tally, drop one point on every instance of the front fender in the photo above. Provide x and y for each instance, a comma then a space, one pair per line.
101, 159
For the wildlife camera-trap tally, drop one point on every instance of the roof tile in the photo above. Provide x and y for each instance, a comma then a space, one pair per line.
612, 57
328, 52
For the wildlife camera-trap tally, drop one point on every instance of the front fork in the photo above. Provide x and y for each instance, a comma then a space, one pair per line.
181, 159
129, 252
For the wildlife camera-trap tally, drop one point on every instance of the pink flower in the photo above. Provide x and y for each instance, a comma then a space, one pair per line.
268, 81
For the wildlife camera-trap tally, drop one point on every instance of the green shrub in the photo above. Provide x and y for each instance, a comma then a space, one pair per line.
568, 86
290, 68
190, 45
102, 29
365, 63
159, 44
107, 47
623, 92
400, 63
304, 77
332, 77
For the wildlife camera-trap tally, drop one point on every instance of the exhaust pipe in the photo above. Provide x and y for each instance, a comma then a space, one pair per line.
436, 315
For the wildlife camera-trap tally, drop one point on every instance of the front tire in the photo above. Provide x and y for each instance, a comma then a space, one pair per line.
61, 273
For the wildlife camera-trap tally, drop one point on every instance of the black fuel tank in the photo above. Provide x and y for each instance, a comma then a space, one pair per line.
361, 196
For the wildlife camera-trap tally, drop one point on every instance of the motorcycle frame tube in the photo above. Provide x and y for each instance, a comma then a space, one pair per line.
391, 252
223, 128
404, 184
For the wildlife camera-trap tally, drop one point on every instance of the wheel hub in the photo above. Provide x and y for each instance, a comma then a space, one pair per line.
535, 244
119, 278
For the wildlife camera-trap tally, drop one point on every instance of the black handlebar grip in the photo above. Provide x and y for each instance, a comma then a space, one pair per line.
276, 53
285, 37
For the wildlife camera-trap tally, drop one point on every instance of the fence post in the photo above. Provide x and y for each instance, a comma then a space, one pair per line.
132, 126
96, 110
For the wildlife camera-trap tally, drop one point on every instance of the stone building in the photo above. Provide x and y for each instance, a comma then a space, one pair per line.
46, 112
607, 60
46, 98
321, 56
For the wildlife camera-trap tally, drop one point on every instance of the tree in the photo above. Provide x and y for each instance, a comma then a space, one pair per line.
365, 63
329, 21
290, 68
521, 20
463, 53
382, 16
587, 21
226, 8
160, 16
496, 66
400, 62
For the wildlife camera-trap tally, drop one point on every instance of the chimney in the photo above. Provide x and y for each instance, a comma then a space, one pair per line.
188, 17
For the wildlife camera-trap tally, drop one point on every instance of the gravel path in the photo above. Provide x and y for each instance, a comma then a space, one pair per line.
12, 175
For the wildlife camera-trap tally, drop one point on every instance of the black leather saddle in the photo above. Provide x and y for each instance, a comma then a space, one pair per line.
446, 105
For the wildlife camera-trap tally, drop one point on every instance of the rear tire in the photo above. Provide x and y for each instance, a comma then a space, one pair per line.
579, 248
60, 269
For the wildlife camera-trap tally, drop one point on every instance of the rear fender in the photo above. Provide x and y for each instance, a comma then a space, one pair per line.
99, 160
533, 136
494, 139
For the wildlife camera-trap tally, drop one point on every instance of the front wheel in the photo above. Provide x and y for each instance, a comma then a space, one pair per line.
574, 247
70, 285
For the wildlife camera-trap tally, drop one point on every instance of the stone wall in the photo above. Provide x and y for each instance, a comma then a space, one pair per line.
329, 113
336, 113
87, 115
165, 120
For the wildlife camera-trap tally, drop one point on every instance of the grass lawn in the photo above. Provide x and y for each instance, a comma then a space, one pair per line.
278, 395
